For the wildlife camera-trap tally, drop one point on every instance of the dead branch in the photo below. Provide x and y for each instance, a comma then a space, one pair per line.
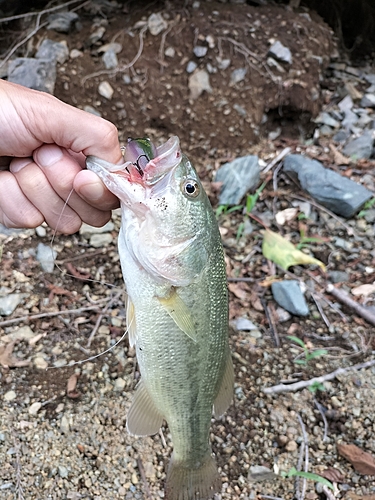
276, 160
344, 298
271, 322
304, 451
320, 408
100, 317
144, 479
320, 380
320, 309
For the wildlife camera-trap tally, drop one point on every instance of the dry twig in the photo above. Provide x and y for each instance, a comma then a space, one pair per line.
320, 408
100, 317
276, 160
304, 451
344, 298
144, 479
320, 380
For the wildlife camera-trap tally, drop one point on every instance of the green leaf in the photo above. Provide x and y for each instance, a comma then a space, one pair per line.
240, 231
300, 361
316, 386
297, 341
316, 354
253, 198
310, 475
284, 253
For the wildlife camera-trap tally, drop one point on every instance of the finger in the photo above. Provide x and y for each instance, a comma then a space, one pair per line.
90, 188
40, 193
61, 168
15, 209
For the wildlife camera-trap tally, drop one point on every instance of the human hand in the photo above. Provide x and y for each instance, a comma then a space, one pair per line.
44, 143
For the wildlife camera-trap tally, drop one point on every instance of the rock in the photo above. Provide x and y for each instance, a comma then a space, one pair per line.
101, 240
238, 177
326, 119
93, 111
40, 363
237, 75
9, 396
37, 74
109, 59
244, 324
199, 82
280, 52
113, 46
169, 52
350, 119
97, 35
46, 256
341, 136
63, 471
105, 90
291, 446
200, 50
191, 66
260, 473
289, 296
53, 51
361, 147
34, 408
339, 194
62, 22
338, 276
74, 53
22, 333
41, 231
119, 385
64, 425
345, 104
282, 315
223, 63
156, 24
86, 230
368, 101
9, 303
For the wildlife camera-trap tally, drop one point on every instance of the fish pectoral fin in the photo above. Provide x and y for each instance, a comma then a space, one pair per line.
225, 394
179, 312
130, 322
143, 418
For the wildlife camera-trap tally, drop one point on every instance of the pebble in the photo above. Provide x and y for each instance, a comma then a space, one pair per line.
338, 276
62, 22
237, 75
119, 384
53, 51
40, 362
200, 50
109, 59
41, 231
75, 53
37, 74
289, 296
9, 303
291, 446
22, 333
280, 52
156, 24
101, 240
169, 52
93, 111
64, 425
46, 256
97, 35
238, 177
360, 147
63, 471
34, 408
191, 66
368, 101
105, 90
9, 396
244, 324
199, 82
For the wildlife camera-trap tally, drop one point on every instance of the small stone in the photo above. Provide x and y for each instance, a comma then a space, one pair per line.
280, 52
119, 385
244, 324
326, 119
169, 52
105, 90
46, 256
40, 362
289, 296
199, 82
191, 66
101, 240
223, 63
282, 315
41, 231
22, 333
37, 74
282, 440
9, 396
109, 59
345, 104
53, 51
361, 147
113, 46
60, 362
75, 53
34, 408
9, 303
255, 334
93, 111
64, 425
291, 446
237, 75
238, 177
97, 35
200, 50
156, 24
63, 471
338, 276
368, 101
62, 22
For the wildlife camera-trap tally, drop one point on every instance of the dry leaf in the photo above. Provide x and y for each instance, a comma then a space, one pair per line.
338, 158
363, 462
239, 290
286, 215
333, 475
364, 289
71, 387
284, 253
9, 361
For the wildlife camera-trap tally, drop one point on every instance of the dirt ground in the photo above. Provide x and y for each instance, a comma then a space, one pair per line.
75, 445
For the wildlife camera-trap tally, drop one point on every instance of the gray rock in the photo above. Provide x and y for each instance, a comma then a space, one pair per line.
156, 24
237, 75
326, 119
105, 90
280, 52
46, 256
101, 240
9, 303
244, 324
289, 296
93, 111
341, 136
63, 471
350, 119
223, 63
370, 79
109, 59
53, 51
238, 177
200, 50
191, 66
119, 384
339, 194
9, 396
97, 35
62, 22
346, 104
338, 276
368, 101
37, 74
361, 147
199, 82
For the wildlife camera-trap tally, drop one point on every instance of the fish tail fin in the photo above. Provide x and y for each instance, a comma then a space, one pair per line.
184, 483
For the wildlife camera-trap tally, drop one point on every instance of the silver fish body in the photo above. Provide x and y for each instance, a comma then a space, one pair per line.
173, 266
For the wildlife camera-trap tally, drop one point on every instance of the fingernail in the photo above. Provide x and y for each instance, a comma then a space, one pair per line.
48, 155
18, 163
92, 191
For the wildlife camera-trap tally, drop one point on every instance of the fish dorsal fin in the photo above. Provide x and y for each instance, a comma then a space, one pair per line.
179, 312
130, 322
225, 394
143, 418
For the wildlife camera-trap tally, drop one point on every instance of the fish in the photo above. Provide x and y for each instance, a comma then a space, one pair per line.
173, 266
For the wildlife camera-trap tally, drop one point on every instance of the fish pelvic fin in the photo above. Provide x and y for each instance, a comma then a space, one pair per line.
143, 418
184, 483
225, 395
179, 312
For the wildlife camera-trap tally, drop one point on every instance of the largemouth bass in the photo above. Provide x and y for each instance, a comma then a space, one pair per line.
177, 313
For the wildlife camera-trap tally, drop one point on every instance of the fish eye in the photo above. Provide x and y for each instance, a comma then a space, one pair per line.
191, 188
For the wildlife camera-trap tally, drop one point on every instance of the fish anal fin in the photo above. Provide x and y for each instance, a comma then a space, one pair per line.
130, 321
179, 312
143, 418
184, 482
225, 395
